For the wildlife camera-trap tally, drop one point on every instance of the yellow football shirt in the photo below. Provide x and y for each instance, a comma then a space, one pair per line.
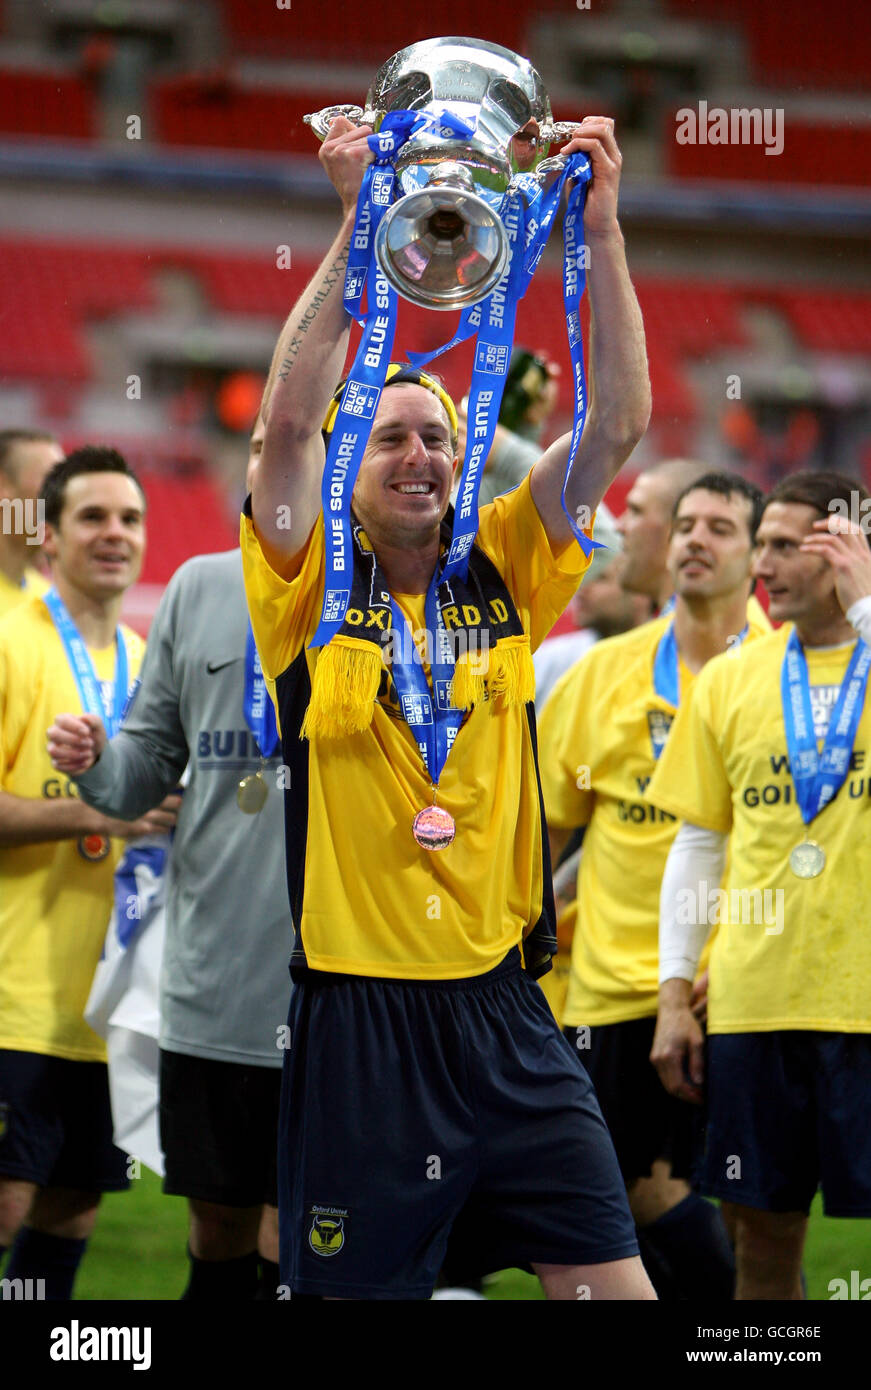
54, 902
726, 768
599, 729
367, 899
11, 595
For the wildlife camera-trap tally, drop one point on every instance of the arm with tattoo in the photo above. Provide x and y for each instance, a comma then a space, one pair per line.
307, 363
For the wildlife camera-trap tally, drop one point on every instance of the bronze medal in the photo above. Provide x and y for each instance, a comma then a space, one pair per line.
251, 793
808, 859
94, 848
434, 828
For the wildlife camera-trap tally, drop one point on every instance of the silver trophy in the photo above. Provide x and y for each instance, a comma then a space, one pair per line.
442, 244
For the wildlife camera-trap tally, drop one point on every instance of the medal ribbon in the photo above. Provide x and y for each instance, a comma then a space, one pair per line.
666, 672
433, 722
817, 777
257, 706
79, 658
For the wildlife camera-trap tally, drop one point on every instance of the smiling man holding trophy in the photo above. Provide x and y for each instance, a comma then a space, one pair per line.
427, 1092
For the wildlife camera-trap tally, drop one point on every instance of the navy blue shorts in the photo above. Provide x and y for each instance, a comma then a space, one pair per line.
56, 1124
787, 1112
645, 1122
412, 1112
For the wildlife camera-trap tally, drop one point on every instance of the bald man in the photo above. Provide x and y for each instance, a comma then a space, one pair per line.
25, 458
646, 526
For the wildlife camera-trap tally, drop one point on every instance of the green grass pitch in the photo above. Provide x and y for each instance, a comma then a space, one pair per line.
138, 1250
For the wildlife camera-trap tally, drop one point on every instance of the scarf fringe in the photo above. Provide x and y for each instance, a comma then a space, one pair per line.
509, 673
468, 680
344, 688
348, 674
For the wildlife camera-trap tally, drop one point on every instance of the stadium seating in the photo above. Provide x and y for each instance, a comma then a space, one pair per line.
836, 152
46, 103
821, 46
358, 32
52, 291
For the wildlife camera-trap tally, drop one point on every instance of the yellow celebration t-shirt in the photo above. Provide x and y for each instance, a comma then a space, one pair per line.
789, 952
55, 900
600, 730
367, 899
11, 595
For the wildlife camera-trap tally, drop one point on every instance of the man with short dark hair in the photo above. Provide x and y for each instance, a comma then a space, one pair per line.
57, 856
224, 985
25, 458
770, 762
602, 731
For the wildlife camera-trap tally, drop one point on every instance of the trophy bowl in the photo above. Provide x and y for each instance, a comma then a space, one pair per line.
442, 244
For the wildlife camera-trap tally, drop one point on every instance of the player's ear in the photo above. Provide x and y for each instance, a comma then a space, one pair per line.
49, 542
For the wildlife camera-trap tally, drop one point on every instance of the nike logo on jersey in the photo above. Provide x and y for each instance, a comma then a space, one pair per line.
213, 666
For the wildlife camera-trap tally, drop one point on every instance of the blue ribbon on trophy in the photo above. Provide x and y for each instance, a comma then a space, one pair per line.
463, 233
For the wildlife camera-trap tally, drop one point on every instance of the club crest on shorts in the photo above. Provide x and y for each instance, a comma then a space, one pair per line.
327, 1234
4, 1117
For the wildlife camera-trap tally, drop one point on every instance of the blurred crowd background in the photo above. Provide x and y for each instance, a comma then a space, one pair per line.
161, 206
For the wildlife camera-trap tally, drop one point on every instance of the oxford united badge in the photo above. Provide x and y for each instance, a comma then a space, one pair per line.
327, 1234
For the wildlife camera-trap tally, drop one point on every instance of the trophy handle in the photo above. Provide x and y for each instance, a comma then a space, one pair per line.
320, 120
557, 131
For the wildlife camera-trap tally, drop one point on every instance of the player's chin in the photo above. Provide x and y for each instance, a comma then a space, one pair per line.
695, 585
782, 608
110, 585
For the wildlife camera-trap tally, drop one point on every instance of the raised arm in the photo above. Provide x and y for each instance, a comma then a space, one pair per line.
619, 408
307, 363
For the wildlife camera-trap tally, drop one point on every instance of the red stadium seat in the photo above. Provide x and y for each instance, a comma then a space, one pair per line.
823, 46
829, 321
834, 152
46, 103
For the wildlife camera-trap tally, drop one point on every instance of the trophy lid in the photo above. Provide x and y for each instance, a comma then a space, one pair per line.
460, 70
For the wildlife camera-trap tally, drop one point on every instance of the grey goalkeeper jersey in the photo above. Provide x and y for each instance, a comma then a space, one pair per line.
225, 986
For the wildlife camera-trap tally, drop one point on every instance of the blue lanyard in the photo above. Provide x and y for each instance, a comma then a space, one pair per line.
257, 706
79, 658
818, 777
666, 673
433, 722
